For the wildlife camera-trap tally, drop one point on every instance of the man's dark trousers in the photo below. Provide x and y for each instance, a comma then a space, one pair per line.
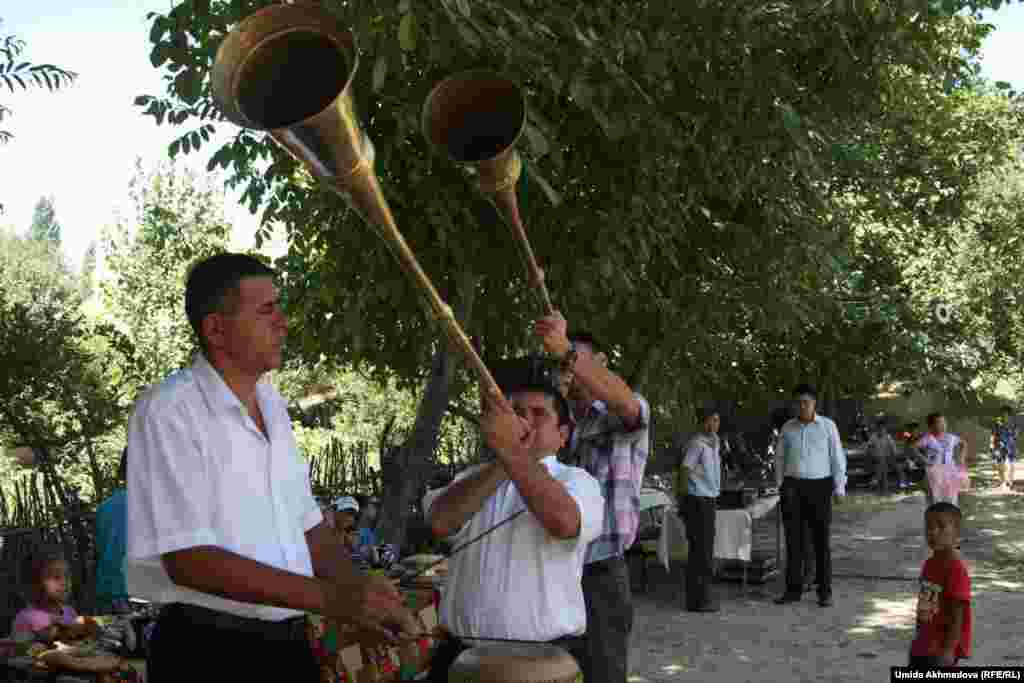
606, 591
807, 508
699, 516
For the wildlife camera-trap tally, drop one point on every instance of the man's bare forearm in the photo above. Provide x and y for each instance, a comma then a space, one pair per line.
545, 497
465, 498
604, 385
213, 570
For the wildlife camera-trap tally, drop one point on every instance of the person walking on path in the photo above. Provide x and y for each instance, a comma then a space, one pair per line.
943, 454
1004, 447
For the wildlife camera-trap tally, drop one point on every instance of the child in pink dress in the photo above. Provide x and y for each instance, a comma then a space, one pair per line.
942, 453
48, 617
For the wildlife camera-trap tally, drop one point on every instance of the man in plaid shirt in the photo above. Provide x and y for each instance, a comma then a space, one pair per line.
611, 442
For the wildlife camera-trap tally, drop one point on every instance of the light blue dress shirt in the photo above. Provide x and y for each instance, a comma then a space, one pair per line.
704, 450
811, 450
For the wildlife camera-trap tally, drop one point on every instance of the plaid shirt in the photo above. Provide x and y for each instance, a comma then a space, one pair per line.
616, 457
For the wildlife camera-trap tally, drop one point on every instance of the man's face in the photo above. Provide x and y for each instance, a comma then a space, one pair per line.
539, 410
805, 408
345, 526
252, 332
712, 423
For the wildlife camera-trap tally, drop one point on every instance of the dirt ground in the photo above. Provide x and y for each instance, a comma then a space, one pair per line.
877, 553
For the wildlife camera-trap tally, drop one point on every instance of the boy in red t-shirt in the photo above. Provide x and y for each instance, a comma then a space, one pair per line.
944, 618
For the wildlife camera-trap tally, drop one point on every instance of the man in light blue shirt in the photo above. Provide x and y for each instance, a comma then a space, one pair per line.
810, 466
704, 472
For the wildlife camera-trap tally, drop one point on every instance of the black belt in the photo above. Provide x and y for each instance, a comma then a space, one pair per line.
566, 642
601, 566
286, 630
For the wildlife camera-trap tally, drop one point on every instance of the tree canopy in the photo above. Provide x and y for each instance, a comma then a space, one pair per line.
697, 174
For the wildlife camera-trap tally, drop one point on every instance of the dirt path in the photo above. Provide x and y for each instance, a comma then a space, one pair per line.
868, 629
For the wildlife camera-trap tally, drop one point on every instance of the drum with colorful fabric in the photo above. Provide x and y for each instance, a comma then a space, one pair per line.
515, 663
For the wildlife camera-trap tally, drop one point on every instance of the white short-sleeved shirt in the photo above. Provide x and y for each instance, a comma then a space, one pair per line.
520, 582
203, 474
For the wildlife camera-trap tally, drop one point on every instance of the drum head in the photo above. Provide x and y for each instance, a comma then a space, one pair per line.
515, 663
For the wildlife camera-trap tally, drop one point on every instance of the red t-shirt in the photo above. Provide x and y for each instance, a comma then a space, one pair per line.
941, 583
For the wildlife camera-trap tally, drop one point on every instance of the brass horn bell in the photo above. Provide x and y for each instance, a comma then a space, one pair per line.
475, 118
288, 69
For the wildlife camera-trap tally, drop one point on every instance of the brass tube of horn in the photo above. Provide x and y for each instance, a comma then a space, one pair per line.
288, 69
476, 117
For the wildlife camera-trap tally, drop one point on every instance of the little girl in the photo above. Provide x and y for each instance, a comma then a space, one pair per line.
48, 617
943, 454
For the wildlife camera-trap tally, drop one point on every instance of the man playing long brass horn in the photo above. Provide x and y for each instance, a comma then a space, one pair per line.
522, 581
611, 441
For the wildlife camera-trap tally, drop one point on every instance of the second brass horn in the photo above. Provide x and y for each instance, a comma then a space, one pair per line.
476, 117
288, 69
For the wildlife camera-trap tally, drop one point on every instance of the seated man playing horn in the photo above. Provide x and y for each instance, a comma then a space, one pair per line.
523, 581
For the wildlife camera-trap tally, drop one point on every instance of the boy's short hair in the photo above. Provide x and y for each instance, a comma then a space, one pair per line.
945, 508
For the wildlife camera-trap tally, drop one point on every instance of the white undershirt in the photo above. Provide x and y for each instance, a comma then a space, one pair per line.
200, 472
519, 581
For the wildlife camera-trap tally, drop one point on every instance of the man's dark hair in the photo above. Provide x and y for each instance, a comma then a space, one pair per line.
532, 373
705, 413
805, 389
585, 337
212, 281
944, 507
933, 418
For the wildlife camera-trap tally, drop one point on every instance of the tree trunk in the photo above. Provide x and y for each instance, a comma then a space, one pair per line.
97, 477
405, 471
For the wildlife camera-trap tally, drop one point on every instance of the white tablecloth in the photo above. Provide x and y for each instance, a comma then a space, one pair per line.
733, 531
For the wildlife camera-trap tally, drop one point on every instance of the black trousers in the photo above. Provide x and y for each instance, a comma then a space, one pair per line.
606, 590
449, 650
807, 509
699, 517
185, 648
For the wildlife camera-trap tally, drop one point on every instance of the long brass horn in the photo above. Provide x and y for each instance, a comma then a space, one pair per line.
476, 117
288, 69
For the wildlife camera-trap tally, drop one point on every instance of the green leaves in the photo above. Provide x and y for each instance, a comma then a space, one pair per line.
380, 72
407, 32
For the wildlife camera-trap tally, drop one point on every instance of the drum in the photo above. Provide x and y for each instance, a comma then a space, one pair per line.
515, 663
